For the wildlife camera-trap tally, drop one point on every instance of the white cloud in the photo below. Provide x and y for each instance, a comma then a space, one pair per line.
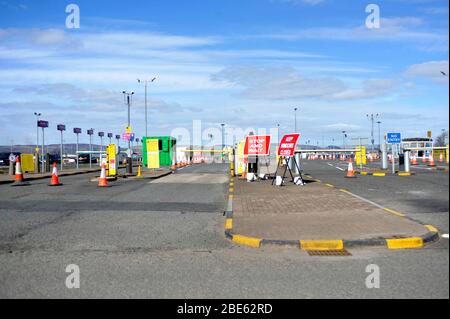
430, 70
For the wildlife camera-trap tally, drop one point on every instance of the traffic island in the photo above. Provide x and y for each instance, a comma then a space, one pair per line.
316, 216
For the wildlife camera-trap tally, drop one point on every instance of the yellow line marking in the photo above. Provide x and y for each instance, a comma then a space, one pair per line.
396, 213
230, 197
363, 173
321, 244
345, 191
329, 185
229, 224
432, 228
405, 243
247, 241
231, 189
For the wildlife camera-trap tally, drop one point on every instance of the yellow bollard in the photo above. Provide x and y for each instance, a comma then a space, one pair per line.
139, 174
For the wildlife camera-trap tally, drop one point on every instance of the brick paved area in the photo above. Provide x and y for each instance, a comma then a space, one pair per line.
314, 211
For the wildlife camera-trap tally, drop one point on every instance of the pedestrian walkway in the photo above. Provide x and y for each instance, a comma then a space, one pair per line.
315, 211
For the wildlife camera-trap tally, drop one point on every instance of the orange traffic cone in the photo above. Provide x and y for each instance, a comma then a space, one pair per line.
431, 163
424, 159
102, 182
414, 160
19, 179
350, 171
55, 180
441, 158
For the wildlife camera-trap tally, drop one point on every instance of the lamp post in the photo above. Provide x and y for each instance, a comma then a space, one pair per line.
90, 133
146, 82
344, 135
36, 166
101, 135
43, 125
77, 131
110, 135
295, 119
379, 135
223, 141
61, 128
128, 100
278, 133
372, 118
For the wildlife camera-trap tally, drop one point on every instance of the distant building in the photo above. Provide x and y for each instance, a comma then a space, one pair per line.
417, 142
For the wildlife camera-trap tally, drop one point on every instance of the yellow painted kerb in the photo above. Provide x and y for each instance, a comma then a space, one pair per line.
432, 229
247, 241
379, 174
229, 224
321, 244
394, 212
405, 243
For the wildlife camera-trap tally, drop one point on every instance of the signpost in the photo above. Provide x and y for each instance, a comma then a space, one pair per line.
394, 139
90, 133
286, 153
61, 128
77, 131
43, 124
110, 135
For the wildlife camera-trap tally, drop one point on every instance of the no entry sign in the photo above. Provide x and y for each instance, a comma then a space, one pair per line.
288, 144
257, 145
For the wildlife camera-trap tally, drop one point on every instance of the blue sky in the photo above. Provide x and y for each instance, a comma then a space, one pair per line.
246, 63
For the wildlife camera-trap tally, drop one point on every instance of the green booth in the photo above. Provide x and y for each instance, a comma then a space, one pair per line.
158, 151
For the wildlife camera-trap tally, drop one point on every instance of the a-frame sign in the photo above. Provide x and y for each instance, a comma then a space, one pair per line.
286, 153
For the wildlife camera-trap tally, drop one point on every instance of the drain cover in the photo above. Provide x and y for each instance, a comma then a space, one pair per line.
342, 252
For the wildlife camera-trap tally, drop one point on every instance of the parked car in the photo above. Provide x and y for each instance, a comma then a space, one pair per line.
4, 158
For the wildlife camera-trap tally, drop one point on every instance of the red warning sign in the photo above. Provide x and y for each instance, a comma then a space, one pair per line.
257, 145
288, 144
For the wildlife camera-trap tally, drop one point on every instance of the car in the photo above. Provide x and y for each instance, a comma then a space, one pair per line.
4, 157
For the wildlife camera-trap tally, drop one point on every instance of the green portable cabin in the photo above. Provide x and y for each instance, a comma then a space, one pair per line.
166, 146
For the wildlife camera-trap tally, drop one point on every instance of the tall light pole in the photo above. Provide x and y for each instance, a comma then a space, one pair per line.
278, 133
128, 100
90, 133
36, 169
101, 135
344, 135
61, 128
77, 131
223, 141
295, 119
372, 118
379, 135
146, 82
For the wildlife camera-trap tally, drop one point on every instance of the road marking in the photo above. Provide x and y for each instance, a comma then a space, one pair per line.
329, 185
445, 236
341, 169
229, 224
432, 228
373, 203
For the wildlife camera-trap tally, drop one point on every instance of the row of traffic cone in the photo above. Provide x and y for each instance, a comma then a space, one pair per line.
19, 179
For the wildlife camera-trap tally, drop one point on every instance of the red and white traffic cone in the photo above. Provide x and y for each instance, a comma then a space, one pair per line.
350, 171
414, 160
441, 158
102, 182
431, 161
19, 179
55, 179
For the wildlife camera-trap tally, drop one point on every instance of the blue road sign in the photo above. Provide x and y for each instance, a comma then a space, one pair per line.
394, 138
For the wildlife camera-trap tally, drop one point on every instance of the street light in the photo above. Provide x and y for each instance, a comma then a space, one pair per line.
379, 134
295, 120
61, 128
371, 118
128, 100
77, 131
36, 169
278, 133
90, 133
146, 84
344, 135
223, 141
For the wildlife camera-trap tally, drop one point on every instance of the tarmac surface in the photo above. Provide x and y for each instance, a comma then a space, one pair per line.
164, 239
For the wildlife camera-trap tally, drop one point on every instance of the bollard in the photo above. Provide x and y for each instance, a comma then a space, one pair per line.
407, 161
384, 156
297, 159
11, 168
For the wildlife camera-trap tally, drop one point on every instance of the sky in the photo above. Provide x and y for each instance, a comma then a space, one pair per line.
244, 63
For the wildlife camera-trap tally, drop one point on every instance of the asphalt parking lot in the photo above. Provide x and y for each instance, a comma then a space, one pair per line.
164, 239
